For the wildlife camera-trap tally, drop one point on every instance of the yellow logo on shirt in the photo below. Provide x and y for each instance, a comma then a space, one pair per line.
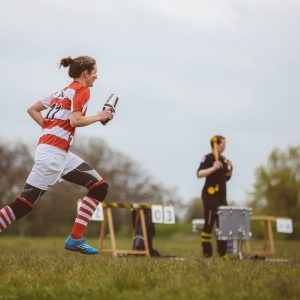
212, 190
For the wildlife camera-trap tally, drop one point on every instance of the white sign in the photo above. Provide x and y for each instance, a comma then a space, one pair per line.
78, 205
169, 215
98, 213
157, 214
284, 225
197, 224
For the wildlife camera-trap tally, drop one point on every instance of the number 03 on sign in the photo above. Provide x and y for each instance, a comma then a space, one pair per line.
163, 214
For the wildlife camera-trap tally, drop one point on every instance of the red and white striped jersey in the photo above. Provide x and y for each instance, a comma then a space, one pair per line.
56, 128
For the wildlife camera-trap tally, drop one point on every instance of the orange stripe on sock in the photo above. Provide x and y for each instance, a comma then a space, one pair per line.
96, 184
25, 201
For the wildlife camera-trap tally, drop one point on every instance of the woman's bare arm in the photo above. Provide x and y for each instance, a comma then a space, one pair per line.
35, 112
78, 120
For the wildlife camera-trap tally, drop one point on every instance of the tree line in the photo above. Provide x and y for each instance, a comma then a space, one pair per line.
55, 211
276, 190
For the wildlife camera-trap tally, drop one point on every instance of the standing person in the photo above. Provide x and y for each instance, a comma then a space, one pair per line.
65, 110
217, 170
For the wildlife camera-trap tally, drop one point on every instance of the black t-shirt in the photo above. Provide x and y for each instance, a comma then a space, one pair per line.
215, 183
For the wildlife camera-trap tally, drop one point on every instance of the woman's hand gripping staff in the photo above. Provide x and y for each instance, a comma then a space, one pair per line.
110, 105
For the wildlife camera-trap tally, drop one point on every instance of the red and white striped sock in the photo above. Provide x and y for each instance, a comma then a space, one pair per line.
7, 216
86, 210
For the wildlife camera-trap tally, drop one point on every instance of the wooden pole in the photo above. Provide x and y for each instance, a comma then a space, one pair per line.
111, 231
272, 248
268, 236
103, 228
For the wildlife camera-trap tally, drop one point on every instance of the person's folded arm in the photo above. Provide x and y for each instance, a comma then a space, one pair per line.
35, 112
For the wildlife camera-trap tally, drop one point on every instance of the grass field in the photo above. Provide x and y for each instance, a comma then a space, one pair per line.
41, 269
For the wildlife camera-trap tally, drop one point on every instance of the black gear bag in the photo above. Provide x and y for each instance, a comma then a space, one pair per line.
138, 238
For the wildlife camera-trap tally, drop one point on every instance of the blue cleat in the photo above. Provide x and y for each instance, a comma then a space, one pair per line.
80, 246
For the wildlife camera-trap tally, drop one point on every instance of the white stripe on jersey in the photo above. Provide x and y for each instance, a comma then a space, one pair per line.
46, 100
68, 93
57, 131
63, 114
85, 107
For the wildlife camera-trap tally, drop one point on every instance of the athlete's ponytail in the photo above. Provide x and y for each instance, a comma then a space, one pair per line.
65, 62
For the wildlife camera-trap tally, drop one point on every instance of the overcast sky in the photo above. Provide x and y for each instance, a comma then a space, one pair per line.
183, 70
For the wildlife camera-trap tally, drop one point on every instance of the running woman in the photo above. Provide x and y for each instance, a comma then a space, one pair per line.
65, 110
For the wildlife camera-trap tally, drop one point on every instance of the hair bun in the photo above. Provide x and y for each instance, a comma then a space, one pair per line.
66, 61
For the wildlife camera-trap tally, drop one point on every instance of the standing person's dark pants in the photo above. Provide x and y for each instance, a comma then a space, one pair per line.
211, 204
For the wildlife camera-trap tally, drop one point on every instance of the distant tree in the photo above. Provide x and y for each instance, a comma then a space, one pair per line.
276, 190
195, 210
15, 164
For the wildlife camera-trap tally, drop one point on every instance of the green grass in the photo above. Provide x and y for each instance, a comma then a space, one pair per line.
40, 268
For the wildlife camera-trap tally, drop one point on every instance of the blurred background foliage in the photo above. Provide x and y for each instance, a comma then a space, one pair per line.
275, 192
55, 212
195, 210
